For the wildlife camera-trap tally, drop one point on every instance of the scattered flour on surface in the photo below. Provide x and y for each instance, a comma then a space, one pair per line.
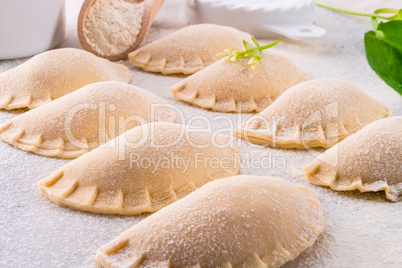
361, 229
112, 26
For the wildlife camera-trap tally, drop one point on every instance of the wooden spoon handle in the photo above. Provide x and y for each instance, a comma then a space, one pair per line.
151, 9
155, 6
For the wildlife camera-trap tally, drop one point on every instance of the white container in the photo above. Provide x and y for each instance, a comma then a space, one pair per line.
28, 27
262, 18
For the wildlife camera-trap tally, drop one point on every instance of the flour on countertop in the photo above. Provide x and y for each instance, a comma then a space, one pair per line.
112, 26
361, 229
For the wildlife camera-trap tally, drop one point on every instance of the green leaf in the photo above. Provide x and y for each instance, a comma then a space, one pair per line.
255, 41
269, 45
254, 53
385, 60
386, 11
247, 45
391, 33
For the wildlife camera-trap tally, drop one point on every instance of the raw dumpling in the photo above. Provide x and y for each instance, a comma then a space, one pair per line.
143, 170
81, 121
234, 87
55, 73
369, 160
188, 50
241, 221
317, 113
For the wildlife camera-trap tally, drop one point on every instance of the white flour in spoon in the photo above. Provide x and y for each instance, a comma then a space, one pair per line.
112, 26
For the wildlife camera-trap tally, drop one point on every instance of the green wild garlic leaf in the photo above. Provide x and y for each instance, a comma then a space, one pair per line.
385, 60
391, 33
383, 45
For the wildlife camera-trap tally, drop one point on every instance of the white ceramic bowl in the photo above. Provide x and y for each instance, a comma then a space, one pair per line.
28, 27
262, 18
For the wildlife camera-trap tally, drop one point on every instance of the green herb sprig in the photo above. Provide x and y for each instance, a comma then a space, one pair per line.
254, 53
383, 45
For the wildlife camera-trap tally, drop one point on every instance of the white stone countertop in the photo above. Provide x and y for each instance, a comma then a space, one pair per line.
362, 230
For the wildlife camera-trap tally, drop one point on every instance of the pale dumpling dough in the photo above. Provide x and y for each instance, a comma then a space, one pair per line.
317, 113
81, 121
241, 221
143, 170
189, 49
55, 73
369, 160
234, 87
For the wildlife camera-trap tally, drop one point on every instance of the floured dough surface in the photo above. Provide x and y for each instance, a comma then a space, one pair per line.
241, 221
317, 113
143, 170
81, 121
369, 160
234, 87
188, 50
53, 74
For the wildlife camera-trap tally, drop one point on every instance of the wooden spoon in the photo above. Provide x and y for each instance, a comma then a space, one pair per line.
151, 8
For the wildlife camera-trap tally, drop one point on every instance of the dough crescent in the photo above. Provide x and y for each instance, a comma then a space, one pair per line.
241, 221
55, 73
234, 87
369, 160
188, 50
81, 121
143, 170
317, 113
